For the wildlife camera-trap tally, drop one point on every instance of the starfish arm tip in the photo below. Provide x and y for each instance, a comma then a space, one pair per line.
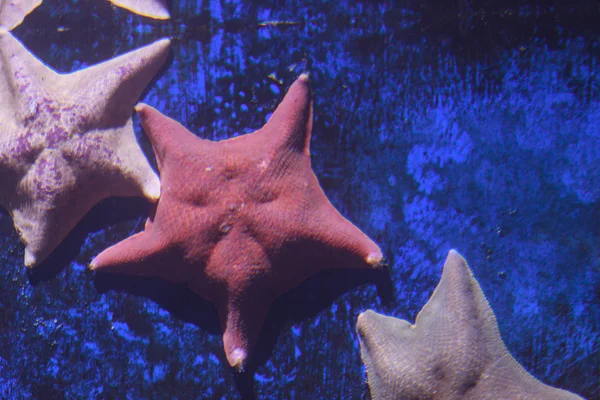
453, 253
162, 16
30, 258
152, 192
140, 107
374, 259
237, 359
361, 320
97, 264
364, 318
304, 77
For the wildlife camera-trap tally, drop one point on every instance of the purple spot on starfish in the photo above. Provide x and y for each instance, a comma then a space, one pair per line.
56, 135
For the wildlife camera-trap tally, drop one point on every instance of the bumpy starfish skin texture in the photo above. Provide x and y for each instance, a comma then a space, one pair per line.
67, 140
242, 220
156, 9
12, 12
453, 351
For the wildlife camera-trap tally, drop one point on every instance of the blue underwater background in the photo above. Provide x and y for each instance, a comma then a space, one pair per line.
438, 124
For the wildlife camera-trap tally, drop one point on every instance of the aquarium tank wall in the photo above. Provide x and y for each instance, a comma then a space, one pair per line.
231, 199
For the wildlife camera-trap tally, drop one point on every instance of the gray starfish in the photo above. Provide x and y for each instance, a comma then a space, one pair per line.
453, 351
67, 141
12, 12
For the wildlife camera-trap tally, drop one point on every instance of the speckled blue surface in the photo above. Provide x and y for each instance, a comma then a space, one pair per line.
437, 126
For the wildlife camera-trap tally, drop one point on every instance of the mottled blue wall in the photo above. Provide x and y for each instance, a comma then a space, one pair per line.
437, 126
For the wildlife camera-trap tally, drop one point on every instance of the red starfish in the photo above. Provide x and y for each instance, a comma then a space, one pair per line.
240, 221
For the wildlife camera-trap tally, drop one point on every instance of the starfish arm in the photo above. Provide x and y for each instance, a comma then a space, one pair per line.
46, 219
331, 228
458, 302
12, 12
143, 254
334, 239
115, 160
122, 81
40, 231
237, 278
290, 126
378, 337
241, 319
22, 74
168, 137
156, 9
139, 177
507, 379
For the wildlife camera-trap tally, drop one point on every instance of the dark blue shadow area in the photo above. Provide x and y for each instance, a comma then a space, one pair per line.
112, 211
303, 302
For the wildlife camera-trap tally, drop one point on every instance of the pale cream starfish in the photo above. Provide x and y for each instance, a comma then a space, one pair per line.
12, 12
156, 9
453, 351
67, 140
